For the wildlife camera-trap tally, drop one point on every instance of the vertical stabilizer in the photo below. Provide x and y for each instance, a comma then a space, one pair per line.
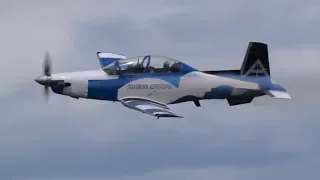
256, 60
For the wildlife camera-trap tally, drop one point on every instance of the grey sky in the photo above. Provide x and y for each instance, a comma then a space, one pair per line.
85, 139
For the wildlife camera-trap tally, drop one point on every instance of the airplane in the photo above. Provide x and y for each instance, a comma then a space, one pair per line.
151, 83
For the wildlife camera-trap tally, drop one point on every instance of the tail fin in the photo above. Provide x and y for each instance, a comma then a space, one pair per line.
256, 63
256, 60
256, 68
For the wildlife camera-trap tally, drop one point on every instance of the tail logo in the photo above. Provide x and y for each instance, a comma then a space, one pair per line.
257, 69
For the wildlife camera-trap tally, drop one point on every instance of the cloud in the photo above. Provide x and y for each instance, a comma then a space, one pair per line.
201, 34
79, 139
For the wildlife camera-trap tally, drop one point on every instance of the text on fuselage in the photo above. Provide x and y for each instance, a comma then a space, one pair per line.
149, 86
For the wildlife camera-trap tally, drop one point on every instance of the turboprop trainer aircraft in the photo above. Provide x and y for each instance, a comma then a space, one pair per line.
150, 83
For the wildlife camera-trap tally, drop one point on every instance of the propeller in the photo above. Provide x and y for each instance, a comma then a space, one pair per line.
45, 79
47, 67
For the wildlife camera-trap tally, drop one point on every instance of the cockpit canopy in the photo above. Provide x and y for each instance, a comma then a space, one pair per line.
146, 64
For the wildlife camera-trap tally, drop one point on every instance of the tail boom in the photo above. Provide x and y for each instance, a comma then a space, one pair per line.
255, 70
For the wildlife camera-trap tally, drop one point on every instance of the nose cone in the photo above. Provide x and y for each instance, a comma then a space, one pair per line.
41, 80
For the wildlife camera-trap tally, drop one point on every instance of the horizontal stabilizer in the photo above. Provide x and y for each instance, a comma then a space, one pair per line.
277, 94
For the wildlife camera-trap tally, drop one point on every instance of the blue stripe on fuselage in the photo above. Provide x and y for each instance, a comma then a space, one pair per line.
108, 89
105, 89
221, 92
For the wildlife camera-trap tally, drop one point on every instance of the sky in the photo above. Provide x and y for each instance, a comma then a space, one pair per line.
70, 139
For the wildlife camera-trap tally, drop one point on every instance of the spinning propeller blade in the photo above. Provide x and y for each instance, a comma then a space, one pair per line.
47, 72
47, 64
46, 78
46, 93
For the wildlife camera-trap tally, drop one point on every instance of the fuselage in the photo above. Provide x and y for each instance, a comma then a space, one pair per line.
167, 88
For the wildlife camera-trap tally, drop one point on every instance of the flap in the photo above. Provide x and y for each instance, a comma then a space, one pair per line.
147, 106
107, 58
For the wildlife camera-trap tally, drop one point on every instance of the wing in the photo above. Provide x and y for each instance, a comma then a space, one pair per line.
147, 106
107, 58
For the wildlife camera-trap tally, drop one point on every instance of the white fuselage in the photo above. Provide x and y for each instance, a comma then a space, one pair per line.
195, 84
